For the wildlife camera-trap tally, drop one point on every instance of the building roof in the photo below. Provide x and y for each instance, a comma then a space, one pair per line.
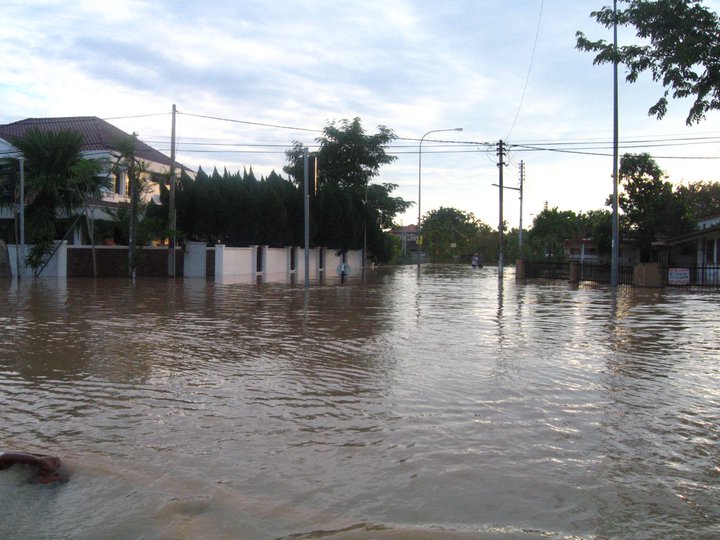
98, 135
578, 241
691, 236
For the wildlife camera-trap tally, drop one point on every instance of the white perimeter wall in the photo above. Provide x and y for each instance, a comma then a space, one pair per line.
56, 268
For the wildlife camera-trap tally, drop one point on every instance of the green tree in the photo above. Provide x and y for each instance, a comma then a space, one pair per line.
597, 225
680, 47
346, 157
135, 211
451, 235
550, 229
651, 210
59, 181
702, 198
238, 209
346, 207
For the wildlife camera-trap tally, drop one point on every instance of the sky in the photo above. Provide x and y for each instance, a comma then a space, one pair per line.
251, 77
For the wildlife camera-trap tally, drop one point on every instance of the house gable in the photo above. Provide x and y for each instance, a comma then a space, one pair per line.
98, 135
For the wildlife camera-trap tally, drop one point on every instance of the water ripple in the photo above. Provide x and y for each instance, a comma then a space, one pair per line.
456, 403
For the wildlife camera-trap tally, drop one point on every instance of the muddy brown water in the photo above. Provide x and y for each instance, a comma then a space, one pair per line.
450, 405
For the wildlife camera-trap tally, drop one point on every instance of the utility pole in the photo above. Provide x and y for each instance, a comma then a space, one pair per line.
364, 261
306, 199
522, 181
501, 165
133, 210
171, 205
615, 254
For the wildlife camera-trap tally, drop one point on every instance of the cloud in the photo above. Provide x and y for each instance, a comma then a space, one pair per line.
413, 66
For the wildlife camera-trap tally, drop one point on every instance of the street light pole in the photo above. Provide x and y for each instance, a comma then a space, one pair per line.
419, 228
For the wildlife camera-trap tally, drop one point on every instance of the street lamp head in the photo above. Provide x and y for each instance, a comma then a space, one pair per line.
419, 226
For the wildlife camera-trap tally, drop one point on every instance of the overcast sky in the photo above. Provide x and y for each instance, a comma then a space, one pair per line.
499, 69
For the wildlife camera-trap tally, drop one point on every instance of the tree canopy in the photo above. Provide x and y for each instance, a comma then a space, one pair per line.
345, 207
347, 156
551, 227
680, 47
58, 178
651, 209
450, 234
701, 198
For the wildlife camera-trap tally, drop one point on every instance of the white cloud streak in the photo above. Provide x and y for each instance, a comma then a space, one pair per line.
412, 65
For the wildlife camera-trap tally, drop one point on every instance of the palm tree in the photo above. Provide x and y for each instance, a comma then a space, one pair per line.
58, 179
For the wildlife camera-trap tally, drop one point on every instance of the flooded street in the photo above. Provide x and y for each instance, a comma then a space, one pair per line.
450, 405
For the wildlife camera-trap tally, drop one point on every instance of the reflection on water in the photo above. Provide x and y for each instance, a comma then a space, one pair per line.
450, 405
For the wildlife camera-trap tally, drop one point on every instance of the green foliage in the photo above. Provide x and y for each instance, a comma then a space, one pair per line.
597, 225
57, 179
148, 228
347, 156
701, 198
346, 206
680, 47
237, 209
452, 235
550, 229
651, 210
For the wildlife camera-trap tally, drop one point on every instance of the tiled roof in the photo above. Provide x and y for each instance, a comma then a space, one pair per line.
97, 134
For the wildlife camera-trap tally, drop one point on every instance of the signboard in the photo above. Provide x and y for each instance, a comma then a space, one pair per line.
343, 269
678, 276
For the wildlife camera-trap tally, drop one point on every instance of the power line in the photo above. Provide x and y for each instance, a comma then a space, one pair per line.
261, 124
527, 77
135, 116
527, 148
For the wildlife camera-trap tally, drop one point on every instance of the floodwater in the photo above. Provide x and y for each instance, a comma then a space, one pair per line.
450, 405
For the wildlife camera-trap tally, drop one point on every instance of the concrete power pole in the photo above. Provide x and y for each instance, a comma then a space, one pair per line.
501, 250
615, 253
306, 211
171, 205
522, 182
134, 196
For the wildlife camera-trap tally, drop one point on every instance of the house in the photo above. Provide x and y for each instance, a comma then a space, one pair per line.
581, 249
698, 248
408, 238
100, 141
693, 258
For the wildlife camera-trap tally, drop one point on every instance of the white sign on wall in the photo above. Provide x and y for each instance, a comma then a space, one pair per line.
678, 276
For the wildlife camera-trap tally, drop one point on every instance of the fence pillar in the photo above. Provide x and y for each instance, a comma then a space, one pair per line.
5, 271
254, 261
219, 262
574, 272
647, 275
195, 259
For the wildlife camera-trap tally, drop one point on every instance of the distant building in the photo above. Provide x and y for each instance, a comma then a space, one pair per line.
408, 236
699, 248
581, 249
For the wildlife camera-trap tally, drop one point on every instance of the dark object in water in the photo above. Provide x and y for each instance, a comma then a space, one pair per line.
48, 467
